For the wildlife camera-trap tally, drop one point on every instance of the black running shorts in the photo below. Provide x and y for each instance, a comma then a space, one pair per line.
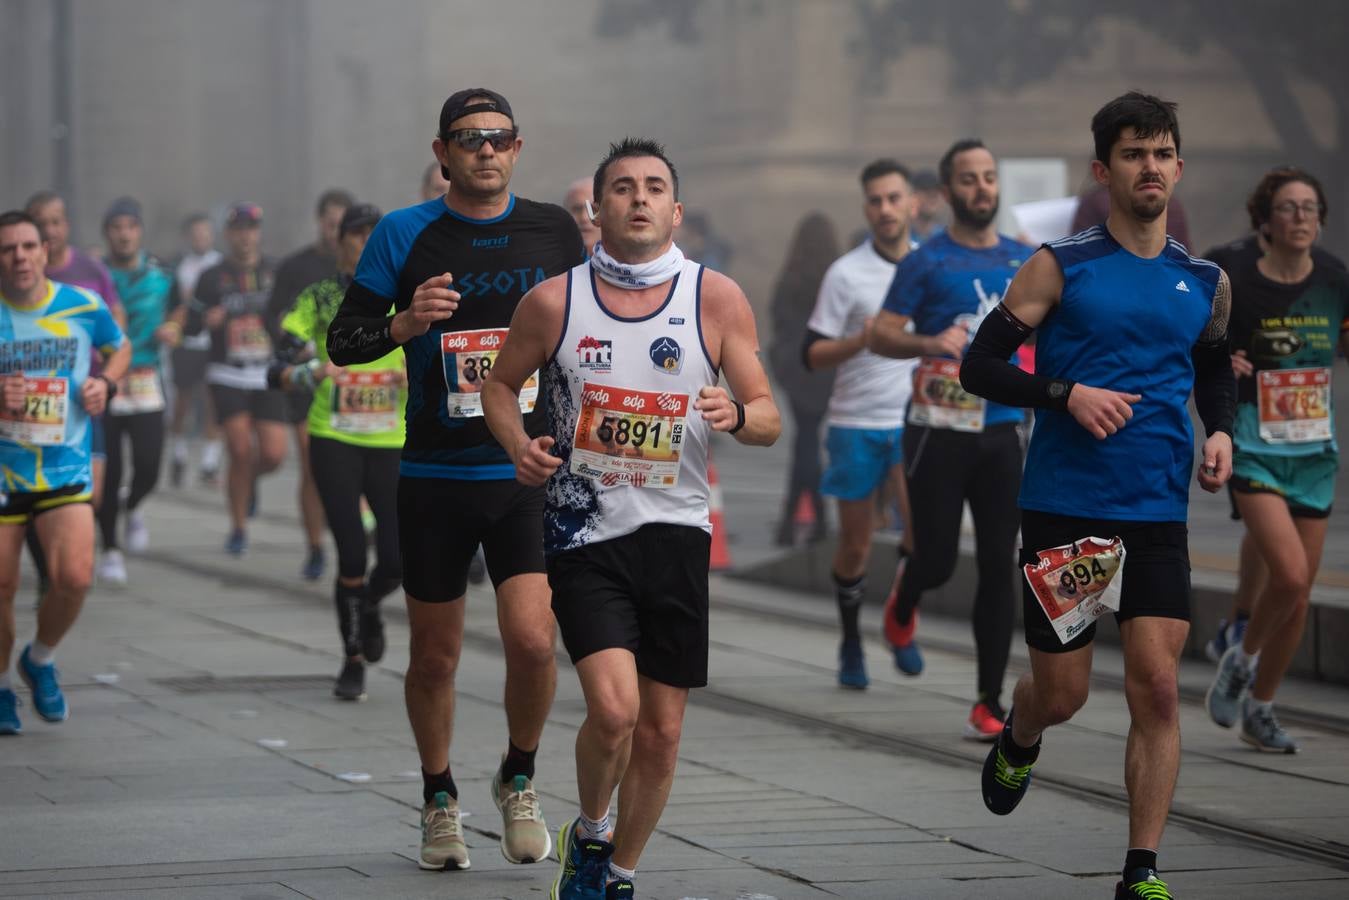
21, 508
645, 592
262, 405
1156, 571
442, 521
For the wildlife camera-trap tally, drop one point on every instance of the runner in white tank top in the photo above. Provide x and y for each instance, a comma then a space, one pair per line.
630, 346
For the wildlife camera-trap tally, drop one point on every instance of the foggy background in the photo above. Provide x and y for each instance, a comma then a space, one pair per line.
769, 109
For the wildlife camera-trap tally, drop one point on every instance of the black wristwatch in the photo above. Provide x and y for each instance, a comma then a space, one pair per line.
112, 385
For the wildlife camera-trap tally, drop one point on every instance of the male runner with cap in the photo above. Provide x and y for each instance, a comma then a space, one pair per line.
136, 414
631, 346
231, 303
956, 447
1128, 323
866, 407
453, 270
47, 334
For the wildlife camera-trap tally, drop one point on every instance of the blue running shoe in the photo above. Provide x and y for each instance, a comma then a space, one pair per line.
237, 543
9, 713
852, 666
313, 565
1225, 695
584, 866
1229, 635
908, 658
48, 700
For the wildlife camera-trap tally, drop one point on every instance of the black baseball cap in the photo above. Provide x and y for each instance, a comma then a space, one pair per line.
244, 215
123, 206
358, 215
482, 100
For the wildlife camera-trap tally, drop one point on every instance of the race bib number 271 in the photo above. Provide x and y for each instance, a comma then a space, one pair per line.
43, 419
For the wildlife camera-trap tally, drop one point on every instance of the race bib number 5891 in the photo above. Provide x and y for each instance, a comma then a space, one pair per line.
626, 437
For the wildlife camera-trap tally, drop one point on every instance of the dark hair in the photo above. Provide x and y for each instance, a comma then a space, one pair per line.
41, 199
946, 169
1260, 206
881, 167
334, 197
633, 147
192, 219
20, 217
1147, 115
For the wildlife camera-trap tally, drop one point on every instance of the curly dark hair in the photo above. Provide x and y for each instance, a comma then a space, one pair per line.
1260, 206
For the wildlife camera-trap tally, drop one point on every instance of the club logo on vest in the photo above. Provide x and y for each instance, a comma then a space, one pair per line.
667, 356
595, 355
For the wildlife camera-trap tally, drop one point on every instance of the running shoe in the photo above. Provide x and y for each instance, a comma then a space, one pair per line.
1262, 730
112, 568
237, 543
908, 658
1229, 635
524, 835
350, 681
583, 867
9, 712
443, 844
852, 666
620, 889
1223, 700
372, 631
1142, 884
48, 700
137, 534
985, 722
1004, 783
313, 566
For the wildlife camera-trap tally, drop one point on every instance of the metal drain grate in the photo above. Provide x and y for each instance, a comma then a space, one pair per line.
209, 684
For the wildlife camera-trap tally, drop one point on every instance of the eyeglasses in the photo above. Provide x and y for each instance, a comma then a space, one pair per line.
472, 139
1288, 209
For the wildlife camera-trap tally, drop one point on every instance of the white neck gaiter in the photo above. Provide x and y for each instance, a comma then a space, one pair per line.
635, 276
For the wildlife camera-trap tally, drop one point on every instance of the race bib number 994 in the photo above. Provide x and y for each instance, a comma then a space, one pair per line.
468, 358
626, 437
1077, 583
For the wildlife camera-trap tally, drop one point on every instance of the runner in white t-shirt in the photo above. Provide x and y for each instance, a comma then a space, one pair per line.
866, 408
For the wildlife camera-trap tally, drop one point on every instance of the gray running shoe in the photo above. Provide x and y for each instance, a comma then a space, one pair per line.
1223, 700
443, 844
524, 835
1262, 730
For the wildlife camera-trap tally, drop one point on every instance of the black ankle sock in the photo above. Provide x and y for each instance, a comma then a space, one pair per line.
517, 762
1016, 754
1139, 859
434, 784
848, 594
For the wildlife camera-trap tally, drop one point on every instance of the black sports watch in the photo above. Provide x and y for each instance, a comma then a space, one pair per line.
112, 385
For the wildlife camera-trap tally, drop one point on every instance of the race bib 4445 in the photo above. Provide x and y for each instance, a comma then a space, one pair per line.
627, 437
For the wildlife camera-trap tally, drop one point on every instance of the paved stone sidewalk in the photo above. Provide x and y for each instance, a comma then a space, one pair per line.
168, 780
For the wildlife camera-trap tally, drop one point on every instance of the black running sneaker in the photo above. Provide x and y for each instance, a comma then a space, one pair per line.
351, 681
1142, 884
372, 631
619, 890
1005, 783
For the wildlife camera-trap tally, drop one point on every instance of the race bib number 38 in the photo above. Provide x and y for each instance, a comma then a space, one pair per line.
628, 437
940, 402
365, 402
1077, 583
1294, 405
468, 357
43, 419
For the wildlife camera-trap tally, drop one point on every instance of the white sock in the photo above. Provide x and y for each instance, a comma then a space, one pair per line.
39, 654
618, 873
596, 829
210, 455
5, 683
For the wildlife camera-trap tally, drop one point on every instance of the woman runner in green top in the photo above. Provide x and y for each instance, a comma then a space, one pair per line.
356, 430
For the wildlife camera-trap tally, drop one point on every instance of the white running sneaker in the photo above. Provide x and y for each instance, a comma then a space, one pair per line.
112, 568
137, 534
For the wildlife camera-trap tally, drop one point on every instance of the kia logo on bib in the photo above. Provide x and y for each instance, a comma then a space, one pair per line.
666, 355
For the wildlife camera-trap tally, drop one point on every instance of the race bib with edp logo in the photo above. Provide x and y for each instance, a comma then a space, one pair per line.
468, 359
1077, 583
1294, 405
626, 437
940, 402
42, 421
365, 402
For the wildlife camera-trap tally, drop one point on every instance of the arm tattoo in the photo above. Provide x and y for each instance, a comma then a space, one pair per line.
1216, 330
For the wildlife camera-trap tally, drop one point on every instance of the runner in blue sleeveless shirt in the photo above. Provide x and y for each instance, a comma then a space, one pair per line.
1128, 323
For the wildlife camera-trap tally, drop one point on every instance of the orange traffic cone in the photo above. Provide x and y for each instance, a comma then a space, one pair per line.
721, 551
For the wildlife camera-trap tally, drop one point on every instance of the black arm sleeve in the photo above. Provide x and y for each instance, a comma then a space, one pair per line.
986, 371
361, 330
1215, 387
811, 337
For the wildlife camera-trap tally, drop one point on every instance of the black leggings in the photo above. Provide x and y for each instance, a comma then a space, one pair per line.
146, 431
946, 468
343, 474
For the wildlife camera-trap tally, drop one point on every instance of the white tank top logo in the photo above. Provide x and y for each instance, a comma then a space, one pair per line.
667, 356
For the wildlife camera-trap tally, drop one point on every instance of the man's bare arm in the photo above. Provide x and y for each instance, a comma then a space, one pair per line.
737, 354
